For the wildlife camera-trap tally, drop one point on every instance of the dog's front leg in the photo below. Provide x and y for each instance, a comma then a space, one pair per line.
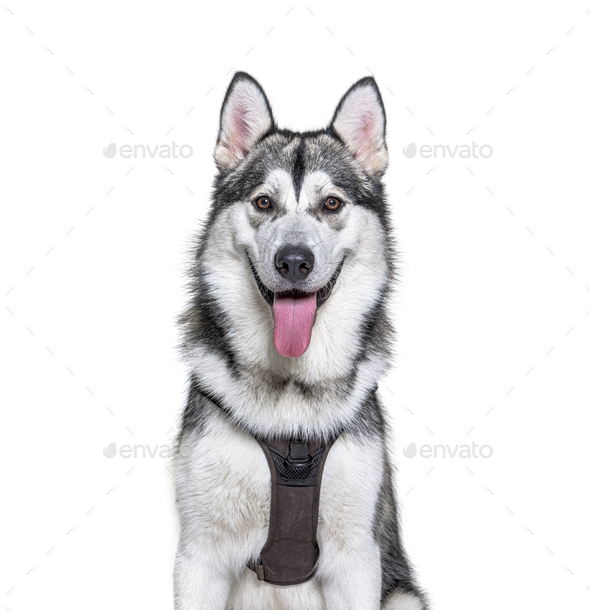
201, 580
351, 577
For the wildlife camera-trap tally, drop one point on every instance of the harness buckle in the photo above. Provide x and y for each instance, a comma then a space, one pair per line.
298, 455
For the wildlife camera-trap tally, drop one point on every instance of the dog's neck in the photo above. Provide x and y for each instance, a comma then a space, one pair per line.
316, 395
271, 406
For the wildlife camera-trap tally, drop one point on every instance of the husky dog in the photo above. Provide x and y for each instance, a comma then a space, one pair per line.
286, 335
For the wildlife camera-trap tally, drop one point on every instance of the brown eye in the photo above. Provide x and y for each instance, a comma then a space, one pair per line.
332, 204
263, 203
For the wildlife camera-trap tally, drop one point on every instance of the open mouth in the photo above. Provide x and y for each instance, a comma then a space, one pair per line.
294, 313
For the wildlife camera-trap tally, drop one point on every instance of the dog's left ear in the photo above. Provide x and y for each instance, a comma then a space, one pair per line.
359, 121
245, 117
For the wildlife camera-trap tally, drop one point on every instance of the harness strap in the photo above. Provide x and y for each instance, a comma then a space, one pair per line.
290, 554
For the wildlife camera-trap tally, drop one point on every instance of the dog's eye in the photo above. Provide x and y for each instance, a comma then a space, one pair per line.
263, 203
332, 204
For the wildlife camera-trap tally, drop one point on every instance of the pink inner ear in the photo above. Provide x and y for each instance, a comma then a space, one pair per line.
245, 117
360, 122
239, 127
365, 131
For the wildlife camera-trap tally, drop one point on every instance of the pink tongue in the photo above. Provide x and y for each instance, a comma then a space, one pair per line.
294, 316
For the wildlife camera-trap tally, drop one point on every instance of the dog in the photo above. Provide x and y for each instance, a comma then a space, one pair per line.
286, 335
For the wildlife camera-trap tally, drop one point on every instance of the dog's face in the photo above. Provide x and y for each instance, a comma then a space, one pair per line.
304, 206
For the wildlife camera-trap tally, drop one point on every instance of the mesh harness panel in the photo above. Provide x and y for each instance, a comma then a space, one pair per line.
290, 554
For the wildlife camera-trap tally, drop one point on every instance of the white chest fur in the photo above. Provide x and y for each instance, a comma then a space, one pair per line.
223, 484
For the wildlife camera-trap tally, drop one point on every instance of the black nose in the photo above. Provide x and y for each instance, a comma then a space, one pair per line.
294, 262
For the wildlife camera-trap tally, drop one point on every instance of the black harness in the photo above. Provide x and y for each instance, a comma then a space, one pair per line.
291, 552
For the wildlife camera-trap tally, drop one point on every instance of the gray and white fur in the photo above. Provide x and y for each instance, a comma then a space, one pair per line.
242, 388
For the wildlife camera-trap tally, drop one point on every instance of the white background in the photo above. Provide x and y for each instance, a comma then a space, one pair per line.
491, 311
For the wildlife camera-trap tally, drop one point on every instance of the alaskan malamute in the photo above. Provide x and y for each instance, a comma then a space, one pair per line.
287, 335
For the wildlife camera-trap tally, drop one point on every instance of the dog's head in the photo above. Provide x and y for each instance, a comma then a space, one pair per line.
303, 218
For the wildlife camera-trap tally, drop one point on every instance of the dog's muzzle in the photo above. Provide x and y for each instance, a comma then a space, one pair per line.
294, 311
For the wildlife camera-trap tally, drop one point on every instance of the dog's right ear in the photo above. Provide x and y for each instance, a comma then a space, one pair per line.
245, 117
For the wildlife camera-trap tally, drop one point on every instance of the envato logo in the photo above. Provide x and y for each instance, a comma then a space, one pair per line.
435, 151
447, 451
164, 151
139, 451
